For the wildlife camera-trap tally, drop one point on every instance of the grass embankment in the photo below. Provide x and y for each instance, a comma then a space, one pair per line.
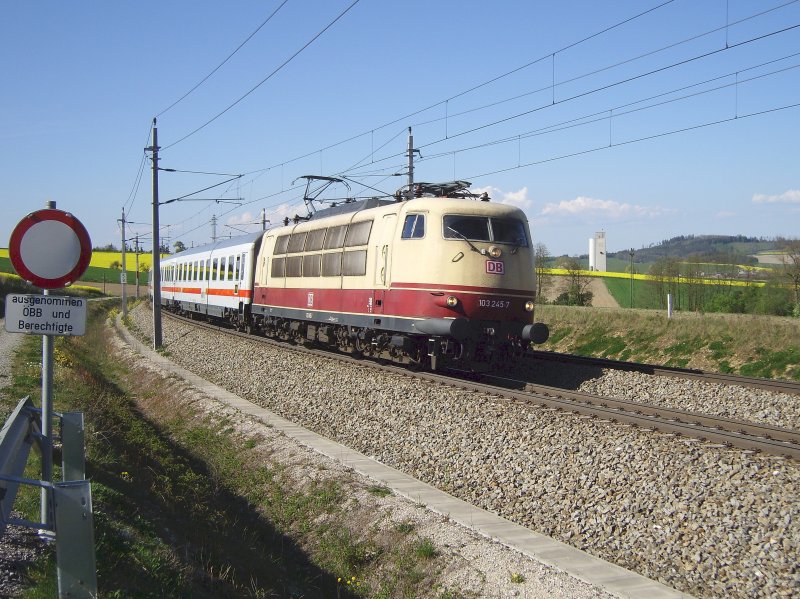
187, 505
764, 346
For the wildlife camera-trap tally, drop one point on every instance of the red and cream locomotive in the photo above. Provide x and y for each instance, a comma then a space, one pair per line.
443, 278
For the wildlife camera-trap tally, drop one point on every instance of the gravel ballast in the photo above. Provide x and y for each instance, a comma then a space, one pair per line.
707, 520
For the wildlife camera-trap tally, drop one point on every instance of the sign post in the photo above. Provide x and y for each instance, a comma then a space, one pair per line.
51, 249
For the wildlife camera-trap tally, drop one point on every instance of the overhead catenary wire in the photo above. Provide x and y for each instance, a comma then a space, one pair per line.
595, 90
553, 85
267, 78
474, 88
486, 125
371, 132
220, 65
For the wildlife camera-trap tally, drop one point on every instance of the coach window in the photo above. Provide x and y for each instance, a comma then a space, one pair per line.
278, 269
215, 269
237, 270
280, 244
296, 242
358, 234
311, 265
230, 268
354, 263
243, 267
294, 266
332, 264
413, 227
315, 240
335, 238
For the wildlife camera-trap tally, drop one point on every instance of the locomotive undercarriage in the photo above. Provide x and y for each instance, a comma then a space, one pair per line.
489, 348
429, 352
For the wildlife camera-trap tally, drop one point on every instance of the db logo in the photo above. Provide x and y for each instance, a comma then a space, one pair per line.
495, 267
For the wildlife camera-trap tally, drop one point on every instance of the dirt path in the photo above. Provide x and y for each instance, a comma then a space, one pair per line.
601, 298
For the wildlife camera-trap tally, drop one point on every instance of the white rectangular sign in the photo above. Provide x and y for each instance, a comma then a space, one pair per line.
45, 314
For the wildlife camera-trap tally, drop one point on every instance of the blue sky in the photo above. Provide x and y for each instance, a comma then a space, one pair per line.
582, 136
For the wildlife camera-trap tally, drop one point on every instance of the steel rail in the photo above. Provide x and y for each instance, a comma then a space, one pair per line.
778, 386
732, 433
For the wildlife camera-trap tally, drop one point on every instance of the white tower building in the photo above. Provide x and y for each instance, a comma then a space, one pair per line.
597, 252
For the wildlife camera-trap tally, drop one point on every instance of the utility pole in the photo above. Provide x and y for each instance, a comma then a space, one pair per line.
155, 273
123, 277
136, 249
411, 152
631, 301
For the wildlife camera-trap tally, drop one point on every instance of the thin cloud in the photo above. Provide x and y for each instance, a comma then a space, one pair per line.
607, 209
791, 196
517, 198
725, 214
241, 219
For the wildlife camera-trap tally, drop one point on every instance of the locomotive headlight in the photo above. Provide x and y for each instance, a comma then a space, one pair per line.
495, 252
452, 301
529, 306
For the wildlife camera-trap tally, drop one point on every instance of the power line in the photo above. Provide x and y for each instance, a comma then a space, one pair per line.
553, 85
480, 85
239, 47
640, 139
597, 89
135, 189
267, 78
606, 113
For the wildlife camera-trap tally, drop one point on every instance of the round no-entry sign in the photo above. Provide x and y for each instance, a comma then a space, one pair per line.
50, 248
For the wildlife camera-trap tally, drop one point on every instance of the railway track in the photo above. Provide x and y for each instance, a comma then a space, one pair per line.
744, 435
776, 386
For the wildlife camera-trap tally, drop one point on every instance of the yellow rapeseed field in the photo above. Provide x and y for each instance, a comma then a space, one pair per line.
106, 259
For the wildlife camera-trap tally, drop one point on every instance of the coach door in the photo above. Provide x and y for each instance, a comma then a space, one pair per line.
383, 259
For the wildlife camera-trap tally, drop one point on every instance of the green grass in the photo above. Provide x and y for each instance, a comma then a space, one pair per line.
717, 342
185, 506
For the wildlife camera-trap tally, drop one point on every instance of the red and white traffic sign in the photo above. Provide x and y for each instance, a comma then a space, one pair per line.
50, 248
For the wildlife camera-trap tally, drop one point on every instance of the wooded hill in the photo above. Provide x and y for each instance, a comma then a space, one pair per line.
732, 249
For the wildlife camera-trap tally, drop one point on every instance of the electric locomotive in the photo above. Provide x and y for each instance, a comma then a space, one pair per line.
443, 278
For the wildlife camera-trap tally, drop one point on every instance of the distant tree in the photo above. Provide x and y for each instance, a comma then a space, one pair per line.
179, 246
791, 269
577, 292
544, 281
105, 248
116, 264
693, 276
665, 272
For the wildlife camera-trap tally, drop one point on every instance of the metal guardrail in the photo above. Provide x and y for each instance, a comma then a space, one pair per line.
70, 500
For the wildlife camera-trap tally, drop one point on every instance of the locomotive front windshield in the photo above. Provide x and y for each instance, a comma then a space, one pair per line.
483, 228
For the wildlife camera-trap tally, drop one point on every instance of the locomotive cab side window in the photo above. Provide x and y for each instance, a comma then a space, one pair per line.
413, 227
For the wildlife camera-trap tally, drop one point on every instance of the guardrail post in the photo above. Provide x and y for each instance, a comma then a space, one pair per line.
73, 460
75, 558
